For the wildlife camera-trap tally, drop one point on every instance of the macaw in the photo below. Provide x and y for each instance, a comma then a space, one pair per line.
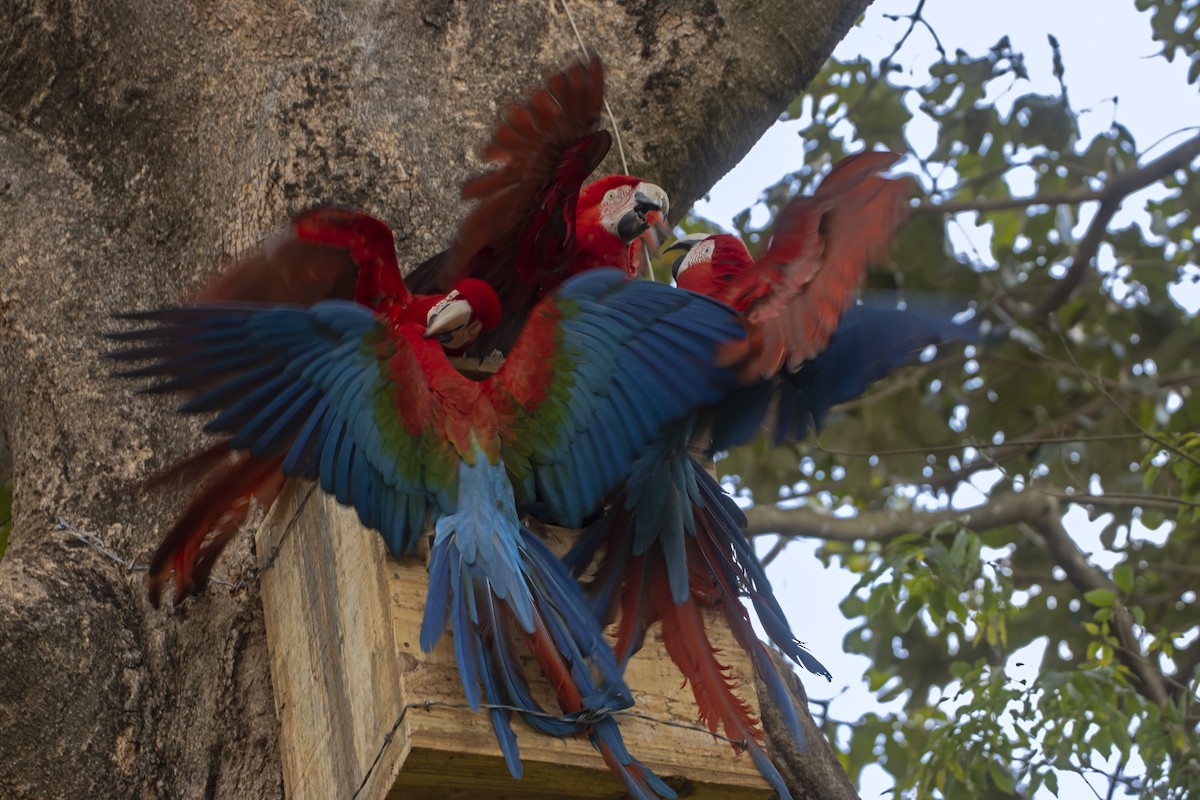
672, 539
815, 260
324, 253
367, 404
533, 225
327, 253
642, 538
821, 348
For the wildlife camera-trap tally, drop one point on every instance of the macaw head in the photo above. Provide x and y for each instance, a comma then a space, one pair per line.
694, 268
466, 311
625, 206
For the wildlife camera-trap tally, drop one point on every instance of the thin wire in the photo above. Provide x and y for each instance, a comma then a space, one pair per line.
130, 564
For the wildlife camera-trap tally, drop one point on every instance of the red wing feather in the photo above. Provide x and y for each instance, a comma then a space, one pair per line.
212, 517
818, 255
324, 253
526, 212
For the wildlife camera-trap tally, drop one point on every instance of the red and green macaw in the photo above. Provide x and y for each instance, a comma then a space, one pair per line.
324, 253
814, 262
533, 225
822, 349
367, 404
329, 253
673, 541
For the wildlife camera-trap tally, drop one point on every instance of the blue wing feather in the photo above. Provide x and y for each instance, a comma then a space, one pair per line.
298, 382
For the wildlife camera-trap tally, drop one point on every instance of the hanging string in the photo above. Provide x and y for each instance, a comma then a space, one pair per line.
612, 118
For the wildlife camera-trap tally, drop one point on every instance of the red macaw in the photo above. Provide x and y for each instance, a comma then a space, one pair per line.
368, 405
673, 545
533, 226
324, 253
327, 253
816, 258
642, 536
673, 540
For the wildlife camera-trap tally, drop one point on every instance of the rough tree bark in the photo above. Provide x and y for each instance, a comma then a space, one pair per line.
140, 143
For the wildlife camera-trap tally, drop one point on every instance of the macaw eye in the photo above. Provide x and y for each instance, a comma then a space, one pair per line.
610, 195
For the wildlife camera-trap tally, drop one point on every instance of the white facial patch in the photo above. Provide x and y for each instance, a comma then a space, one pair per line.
697, 255
613, 205
463, 336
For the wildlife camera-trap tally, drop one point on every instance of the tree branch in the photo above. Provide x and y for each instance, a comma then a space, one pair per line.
1186, 662
1114, 191
1086, 577
881, 526
1110, 196
812, 773
1042, 511
1073, 197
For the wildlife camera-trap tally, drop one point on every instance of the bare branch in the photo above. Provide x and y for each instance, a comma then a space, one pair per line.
1122, 500
1186, 662
881, 526
1073, 197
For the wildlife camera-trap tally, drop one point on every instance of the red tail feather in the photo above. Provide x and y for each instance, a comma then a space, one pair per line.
212, 517
193, 468
687, 643
557, 671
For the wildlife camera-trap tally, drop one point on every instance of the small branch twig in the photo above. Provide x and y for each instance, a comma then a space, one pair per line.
1073, 197
1087, 577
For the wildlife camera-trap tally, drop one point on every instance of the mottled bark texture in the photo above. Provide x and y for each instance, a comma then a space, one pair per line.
143, 142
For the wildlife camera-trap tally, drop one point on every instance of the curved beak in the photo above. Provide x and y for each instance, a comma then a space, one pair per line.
684, 243
650, 207
447, 318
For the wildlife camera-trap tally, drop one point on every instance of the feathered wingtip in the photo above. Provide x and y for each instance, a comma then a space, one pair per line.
636, 580
211, 519
873, 338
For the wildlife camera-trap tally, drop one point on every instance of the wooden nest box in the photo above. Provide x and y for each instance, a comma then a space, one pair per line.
342, 625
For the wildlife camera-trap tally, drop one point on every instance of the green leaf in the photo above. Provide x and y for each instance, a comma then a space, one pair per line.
1001, 777
1123, 578
1100, 597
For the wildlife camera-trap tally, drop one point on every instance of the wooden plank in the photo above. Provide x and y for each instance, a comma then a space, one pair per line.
343, 623
333, 653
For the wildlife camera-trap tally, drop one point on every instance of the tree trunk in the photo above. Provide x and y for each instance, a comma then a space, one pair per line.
143, 142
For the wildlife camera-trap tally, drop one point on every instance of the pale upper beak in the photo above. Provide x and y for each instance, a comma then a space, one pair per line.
446, 319
684, 243
650, 207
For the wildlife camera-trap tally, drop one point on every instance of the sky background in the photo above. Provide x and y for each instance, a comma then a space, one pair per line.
1108, 53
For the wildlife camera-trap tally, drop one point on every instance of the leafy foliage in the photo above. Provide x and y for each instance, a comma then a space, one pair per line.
1176, 24
1085, 392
